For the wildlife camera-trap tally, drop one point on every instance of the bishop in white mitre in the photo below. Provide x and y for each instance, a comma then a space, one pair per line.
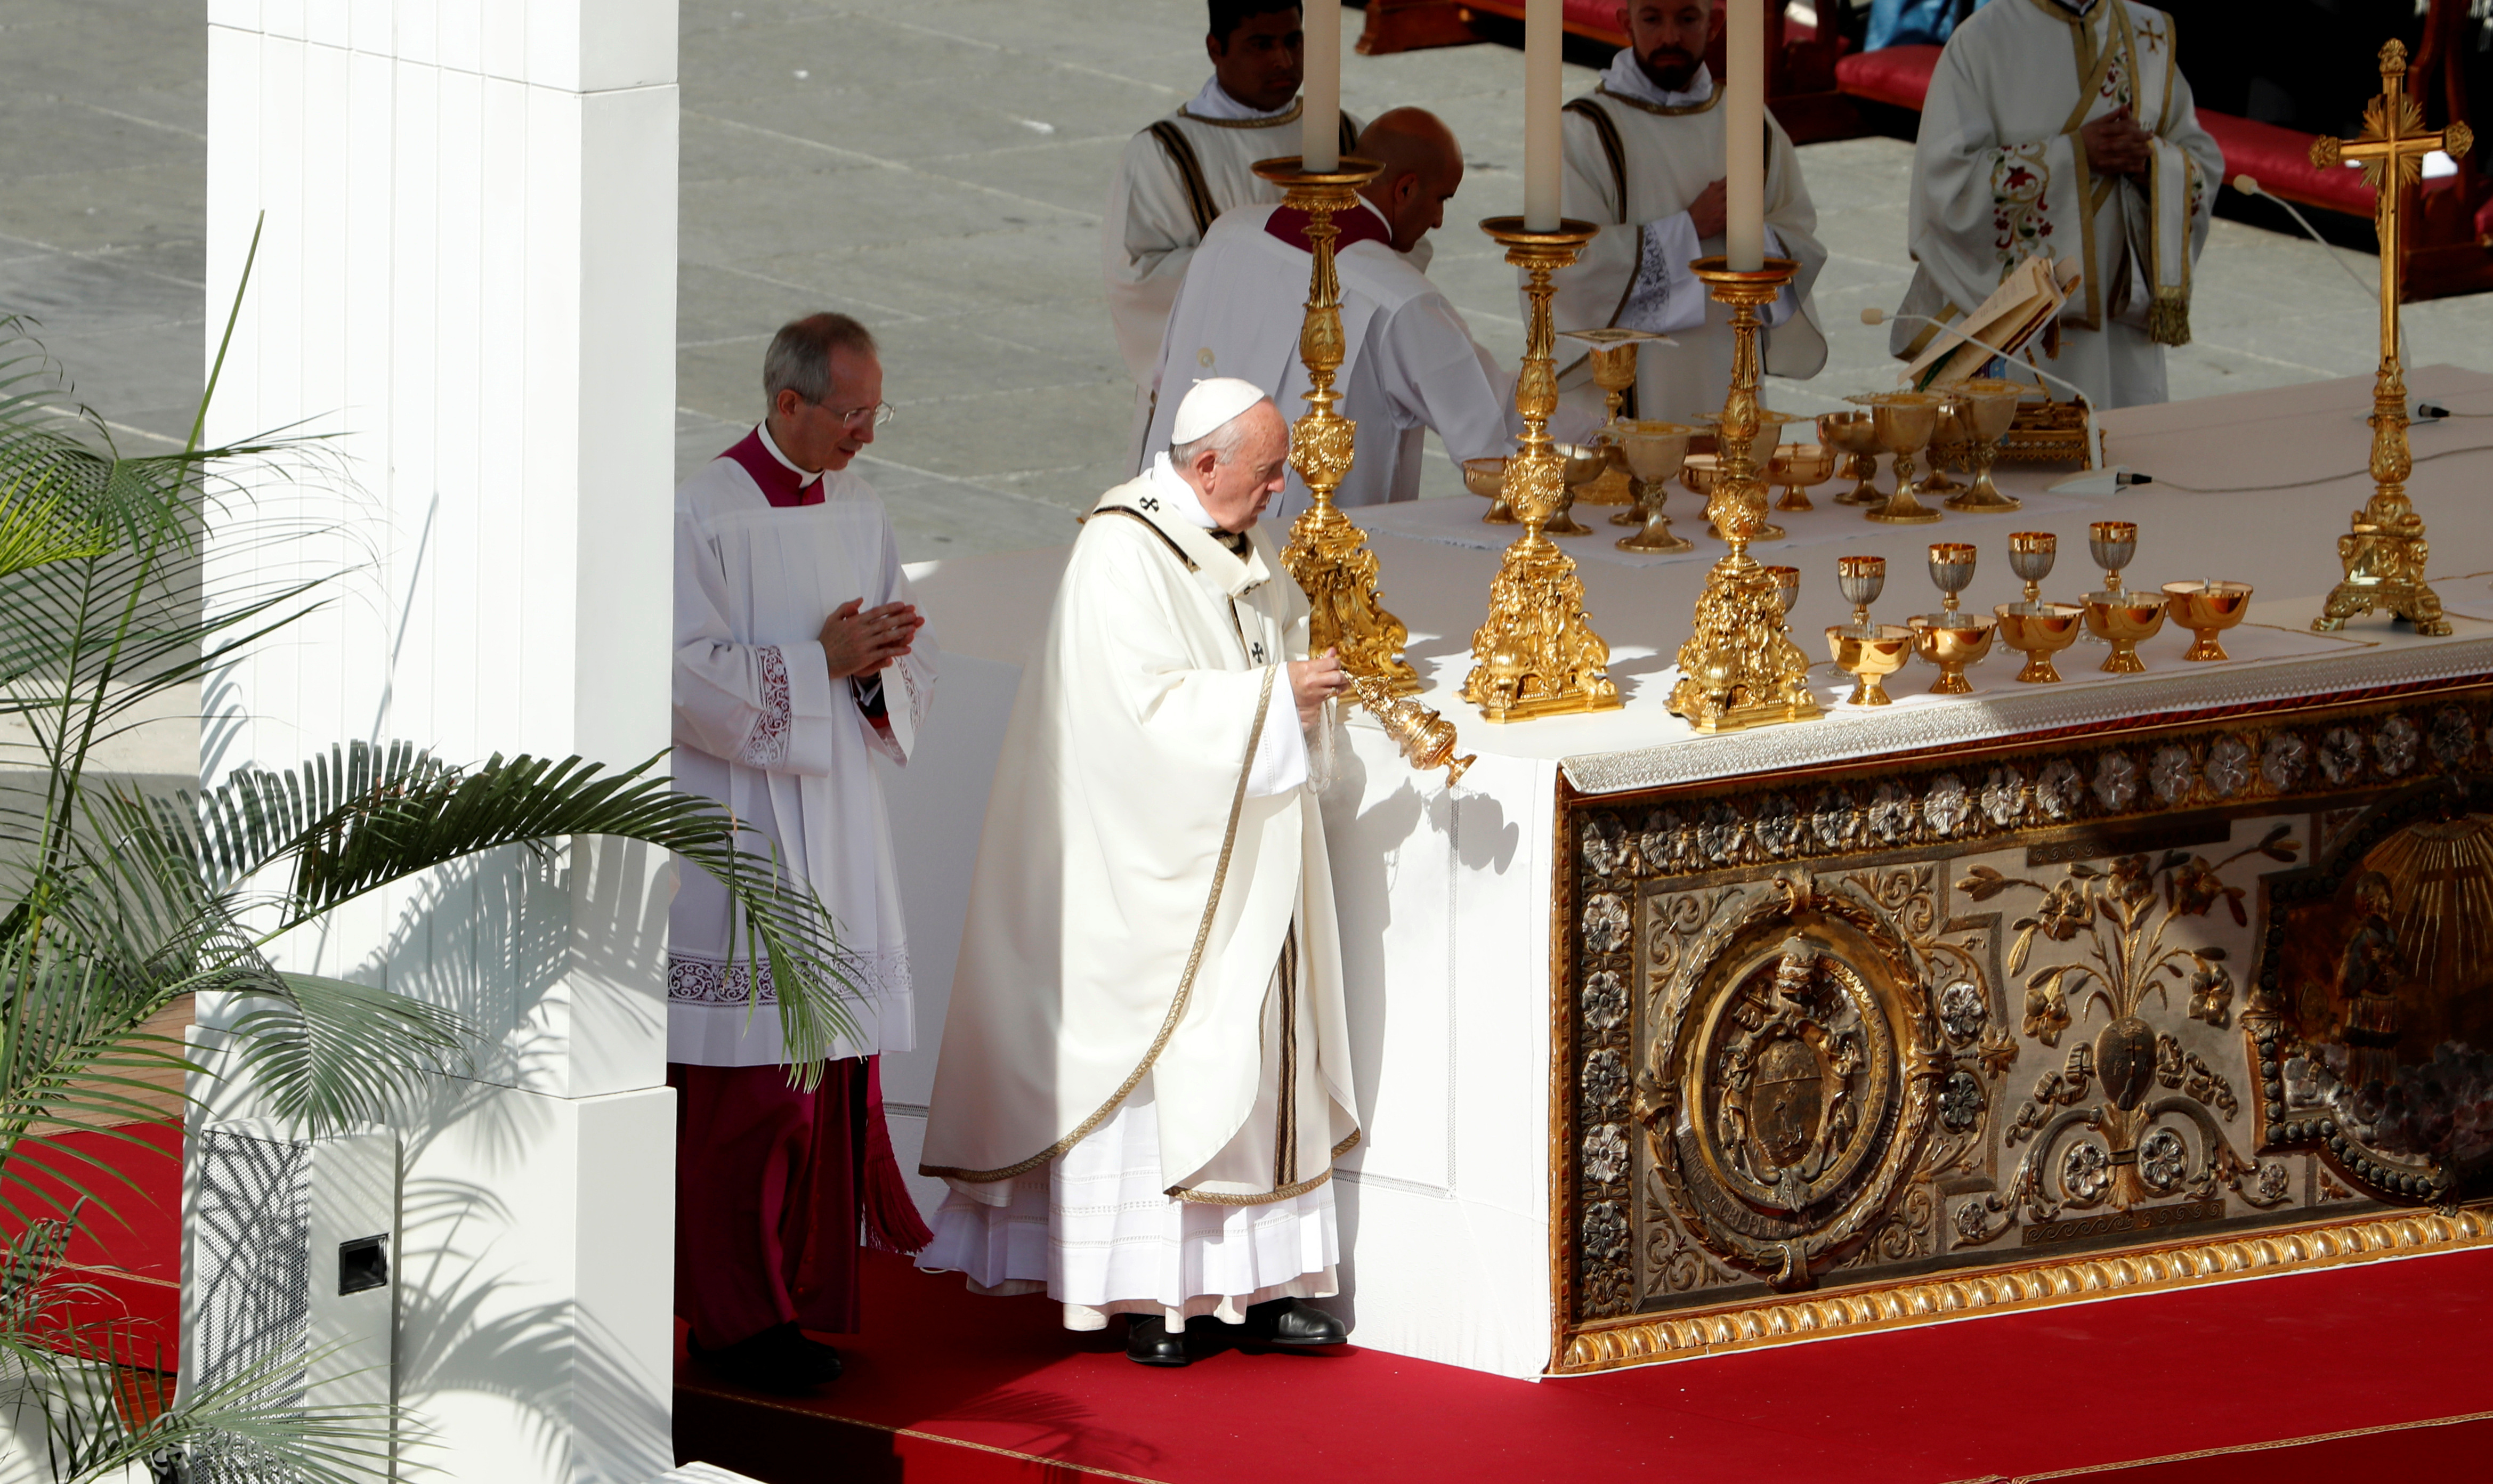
1145, 1077
1181, 174
1644, 159
798, 656
1409, 361
2063, 129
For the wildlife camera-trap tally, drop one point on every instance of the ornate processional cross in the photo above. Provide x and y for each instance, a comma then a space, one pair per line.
2384, 554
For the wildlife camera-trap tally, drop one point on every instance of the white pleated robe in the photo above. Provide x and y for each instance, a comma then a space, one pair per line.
2000, 174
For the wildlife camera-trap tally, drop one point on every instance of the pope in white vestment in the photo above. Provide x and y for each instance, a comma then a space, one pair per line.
1409, 361
1639, 155
1181, 174
2003, 171
1145, 1076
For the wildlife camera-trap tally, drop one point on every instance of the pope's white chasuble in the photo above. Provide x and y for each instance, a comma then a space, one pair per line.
1175, 179
2000, 174
1144, 1075
1635, 157
763, 556
1409, 361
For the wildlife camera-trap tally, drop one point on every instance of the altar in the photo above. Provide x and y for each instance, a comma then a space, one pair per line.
2075, 1017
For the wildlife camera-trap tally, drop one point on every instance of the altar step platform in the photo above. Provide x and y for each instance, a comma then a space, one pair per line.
946, 1387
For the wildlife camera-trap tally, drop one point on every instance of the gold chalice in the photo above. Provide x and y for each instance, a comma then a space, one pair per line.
2118, 618
1584, 463
2207, 609
2040, 631
1856, 435
1951, 448
1984, 408
1860, 579
1798, 467
1951, 639
1905, 422
1653, 452
1486, 478
2031, 554
1787, 585
1613, 353
1869, 652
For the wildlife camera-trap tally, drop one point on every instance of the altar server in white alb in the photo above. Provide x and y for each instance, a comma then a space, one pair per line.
2065, 129
1644, 154
1145, 1076
1179, 175
798, 656
1409, 361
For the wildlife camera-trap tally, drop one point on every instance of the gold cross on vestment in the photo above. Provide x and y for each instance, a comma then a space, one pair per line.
2384, 554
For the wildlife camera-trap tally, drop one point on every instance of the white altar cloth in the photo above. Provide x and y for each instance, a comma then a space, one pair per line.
1445, 900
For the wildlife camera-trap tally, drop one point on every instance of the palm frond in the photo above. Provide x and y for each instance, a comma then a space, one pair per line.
330, 1052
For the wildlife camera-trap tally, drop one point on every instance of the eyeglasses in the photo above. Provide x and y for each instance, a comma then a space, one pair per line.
876, 416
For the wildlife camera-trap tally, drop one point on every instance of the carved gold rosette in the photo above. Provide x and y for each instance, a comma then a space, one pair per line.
1536, 653
1740, 667
1327, 553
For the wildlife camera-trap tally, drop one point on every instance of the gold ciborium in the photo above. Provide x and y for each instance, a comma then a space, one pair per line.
1586, 465
1653, 452
1739, 667
1983, 409
2118, 618
1905, 422
2207, 609
1486, 478
1612, 352
1327, 553
1856, 435
1800, 467
1951, 639
2040, 631
1536, 653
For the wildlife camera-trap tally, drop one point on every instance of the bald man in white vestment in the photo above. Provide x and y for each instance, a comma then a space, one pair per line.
1409, 364
2063, 129
1644, 154
1179, 175
1144, 1075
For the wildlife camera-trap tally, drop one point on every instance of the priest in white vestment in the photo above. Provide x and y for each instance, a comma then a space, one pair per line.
1145, 1076
2063, 129
1179, 175
1409, 361
798, 656
1644, 154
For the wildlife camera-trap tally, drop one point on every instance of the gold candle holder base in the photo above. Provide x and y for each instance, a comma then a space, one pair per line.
1536, 653
1739, 668
2040, 631
1327, 553
2207, 610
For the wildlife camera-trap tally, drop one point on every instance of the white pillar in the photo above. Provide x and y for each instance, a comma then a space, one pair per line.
468, 273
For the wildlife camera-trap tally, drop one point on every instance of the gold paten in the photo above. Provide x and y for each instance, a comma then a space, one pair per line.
1327, 553
1740, 667
1536, 654
2384, 554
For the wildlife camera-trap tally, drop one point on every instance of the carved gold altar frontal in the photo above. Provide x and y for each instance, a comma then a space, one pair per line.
2038, 1020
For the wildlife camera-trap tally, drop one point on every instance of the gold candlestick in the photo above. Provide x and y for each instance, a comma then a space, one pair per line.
2384, 554
1536, 654
1327, 553
1740, 668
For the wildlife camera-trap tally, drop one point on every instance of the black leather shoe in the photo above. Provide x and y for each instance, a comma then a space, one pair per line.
1148, 1341
780, 1360
1291, 1321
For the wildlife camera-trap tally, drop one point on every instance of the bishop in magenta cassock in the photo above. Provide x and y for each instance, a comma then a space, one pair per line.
1146, 1075
798, 656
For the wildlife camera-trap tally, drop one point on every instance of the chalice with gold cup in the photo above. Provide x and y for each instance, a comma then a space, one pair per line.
1653, 451
1584, 463
1869, 652
1612, 352
1905, 422
1799, 467
1855, 435
1486, 478
1984, 408
2116, 615
1951, 639
2037, 629
2207, 609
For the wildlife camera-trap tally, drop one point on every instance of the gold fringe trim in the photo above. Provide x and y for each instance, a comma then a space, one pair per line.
2168, 318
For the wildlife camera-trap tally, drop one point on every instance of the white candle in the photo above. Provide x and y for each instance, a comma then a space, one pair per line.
1744, 116
1321, 139
1542, 42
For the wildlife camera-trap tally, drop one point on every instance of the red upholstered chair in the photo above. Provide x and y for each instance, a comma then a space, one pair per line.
1895, 76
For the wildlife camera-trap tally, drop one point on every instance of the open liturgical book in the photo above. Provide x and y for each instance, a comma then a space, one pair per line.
2026, 301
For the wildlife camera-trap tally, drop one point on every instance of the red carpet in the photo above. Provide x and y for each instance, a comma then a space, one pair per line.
2158, 1389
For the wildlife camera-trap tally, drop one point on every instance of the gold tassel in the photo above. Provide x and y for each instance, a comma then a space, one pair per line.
2168, 318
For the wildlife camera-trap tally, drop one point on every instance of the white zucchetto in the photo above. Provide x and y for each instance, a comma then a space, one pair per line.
1212, 403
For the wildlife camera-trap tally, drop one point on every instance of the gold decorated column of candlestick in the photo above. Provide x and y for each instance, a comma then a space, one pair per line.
2384, 554
1740, 667
1327, 553
1536, 654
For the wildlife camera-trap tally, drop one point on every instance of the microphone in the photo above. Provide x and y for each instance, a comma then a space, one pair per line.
2103, 479
2419, 410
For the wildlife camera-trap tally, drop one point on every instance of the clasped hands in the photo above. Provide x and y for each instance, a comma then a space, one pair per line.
859, 641
2115, 145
